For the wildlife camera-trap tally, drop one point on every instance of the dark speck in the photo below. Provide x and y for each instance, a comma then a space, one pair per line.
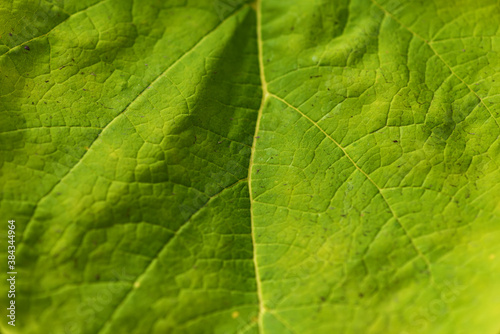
10, 34
394, 141
322, 298
27, 47
361, 295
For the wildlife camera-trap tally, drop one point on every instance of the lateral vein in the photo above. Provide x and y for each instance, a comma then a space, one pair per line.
419, 252
123, 111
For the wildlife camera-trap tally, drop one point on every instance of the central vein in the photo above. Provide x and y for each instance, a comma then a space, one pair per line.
265, 94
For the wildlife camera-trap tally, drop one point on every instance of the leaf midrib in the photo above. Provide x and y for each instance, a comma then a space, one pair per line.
265, 96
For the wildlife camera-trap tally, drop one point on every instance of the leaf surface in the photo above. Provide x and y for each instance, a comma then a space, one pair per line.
267, 167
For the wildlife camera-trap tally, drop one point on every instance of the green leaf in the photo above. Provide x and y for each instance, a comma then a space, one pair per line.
219, 166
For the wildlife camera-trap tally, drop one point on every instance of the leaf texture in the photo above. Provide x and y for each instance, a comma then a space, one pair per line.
268, 167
